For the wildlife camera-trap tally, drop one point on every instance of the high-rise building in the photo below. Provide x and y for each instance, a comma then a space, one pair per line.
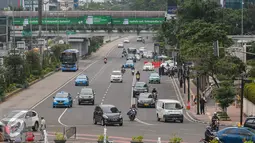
6, 3
237, 4
32, 5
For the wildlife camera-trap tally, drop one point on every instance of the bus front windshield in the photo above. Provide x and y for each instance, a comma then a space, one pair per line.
68, 58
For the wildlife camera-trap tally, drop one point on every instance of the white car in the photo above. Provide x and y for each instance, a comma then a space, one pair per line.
30, 118
149, 55
139, 39
120, 45
138, 57
148, 67
126, 41
116, 76
141, 49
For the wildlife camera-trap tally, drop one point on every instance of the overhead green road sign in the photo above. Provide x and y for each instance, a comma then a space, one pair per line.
137, 21
49, 21
26, 33
70, 32
97, 20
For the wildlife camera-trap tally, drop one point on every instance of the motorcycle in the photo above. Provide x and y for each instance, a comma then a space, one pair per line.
105, 61
213, 138
132, 114
137, 77
123, 70
155, 96
132, 72
215, 125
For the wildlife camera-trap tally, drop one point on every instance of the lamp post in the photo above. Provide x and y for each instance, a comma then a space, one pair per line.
184, 78
198, 95
243, 81
188, 78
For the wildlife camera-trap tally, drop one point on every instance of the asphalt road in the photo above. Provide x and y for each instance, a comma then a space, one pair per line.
118, 94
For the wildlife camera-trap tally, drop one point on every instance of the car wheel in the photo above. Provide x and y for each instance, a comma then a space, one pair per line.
181, 121
79, 103
71, 105
36, 126
75, 84
158, 118
121, 81
87, 84
94, 121
93, 103
54, 106
121, 124
102, 122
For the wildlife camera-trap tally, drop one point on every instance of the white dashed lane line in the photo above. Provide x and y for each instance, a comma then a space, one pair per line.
102, 102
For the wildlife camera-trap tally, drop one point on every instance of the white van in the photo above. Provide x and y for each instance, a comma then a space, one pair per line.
169, 110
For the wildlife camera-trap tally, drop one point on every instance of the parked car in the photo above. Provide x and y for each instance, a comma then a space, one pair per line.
250, 122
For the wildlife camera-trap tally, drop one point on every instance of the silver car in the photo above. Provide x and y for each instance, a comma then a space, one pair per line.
138, 57
146, 100
87, 95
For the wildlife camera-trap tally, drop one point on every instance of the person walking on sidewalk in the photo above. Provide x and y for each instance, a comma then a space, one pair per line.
202, 105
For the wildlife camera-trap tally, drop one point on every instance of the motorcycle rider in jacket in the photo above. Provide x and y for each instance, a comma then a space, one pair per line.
208, 134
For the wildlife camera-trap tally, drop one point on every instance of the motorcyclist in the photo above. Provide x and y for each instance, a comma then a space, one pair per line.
122, 67
155, 93
133, 70
209, 134
105, 60
133, 106
215, 118
137, 74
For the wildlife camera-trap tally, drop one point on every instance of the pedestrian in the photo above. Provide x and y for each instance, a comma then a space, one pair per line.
163, 70
42, 127
202, 105
181, 82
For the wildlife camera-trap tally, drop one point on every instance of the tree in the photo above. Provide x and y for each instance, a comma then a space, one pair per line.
33, 62
225, 95
15, 64
57, 49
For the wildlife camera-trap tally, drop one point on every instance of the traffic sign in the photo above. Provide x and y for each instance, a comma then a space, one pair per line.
70, 32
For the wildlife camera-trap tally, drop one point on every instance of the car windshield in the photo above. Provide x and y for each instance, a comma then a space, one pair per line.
154, 75
129, 62
110, 110
142, 96
130, 55
86, 92
82, 77
116, 73
172, 106
61, 95
139, 84
15, 114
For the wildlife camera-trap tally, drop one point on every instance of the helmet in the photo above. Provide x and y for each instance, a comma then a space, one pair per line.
208, 128
154, 88
42, 117
215, 113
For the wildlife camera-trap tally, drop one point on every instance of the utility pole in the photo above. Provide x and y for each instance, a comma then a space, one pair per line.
40, 4
242, 92
184, 78
188, 78
198, 96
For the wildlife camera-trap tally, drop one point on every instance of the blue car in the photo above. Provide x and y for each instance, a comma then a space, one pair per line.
82, 80
62, 99
129, 64
236, 134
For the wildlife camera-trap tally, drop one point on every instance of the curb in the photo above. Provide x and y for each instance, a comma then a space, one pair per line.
194, 119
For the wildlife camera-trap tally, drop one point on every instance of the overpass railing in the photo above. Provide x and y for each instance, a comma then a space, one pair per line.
82, 13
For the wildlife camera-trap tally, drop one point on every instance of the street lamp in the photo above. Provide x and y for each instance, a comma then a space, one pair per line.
243, 81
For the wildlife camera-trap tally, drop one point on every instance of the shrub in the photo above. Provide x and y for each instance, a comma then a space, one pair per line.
59, 136
175, 139
101, 138
137, 139
249, 92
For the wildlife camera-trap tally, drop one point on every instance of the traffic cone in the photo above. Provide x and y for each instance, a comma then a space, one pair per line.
188, 106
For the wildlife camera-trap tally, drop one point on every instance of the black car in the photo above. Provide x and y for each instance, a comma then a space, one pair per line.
107, 115
250, 122
146, 100
87, 95
140, 87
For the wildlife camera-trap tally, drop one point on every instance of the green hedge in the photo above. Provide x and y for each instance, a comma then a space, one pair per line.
249, 92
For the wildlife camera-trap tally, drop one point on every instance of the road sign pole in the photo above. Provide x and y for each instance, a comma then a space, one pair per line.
159, 140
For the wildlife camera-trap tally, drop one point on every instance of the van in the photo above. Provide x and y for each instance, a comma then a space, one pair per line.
169, 110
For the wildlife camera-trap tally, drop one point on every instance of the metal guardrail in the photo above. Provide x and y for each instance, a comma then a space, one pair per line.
122, 14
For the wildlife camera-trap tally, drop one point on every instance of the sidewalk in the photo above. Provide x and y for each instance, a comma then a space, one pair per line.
211, 107
44, 88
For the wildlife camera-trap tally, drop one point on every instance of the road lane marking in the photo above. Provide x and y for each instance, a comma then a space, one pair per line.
49, 95
102, 102
179, 96
91, 81
133, 101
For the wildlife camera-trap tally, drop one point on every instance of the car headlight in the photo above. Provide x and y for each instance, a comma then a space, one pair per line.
105, 116
120, 116
146, 90
55, 100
